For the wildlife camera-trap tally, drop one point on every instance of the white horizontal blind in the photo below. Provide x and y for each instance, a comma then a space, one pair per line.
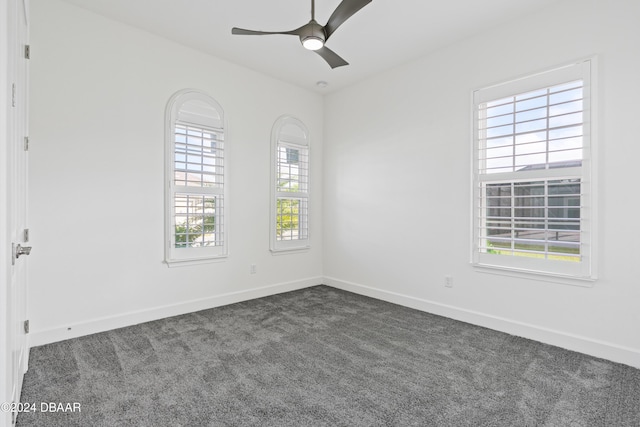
199, 156
539, 129
291, 219
197, 220
532, 173
292, 168
531, 218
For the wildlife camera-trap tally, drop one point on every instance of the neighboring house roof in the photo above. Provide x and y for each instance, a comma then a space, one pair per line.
554, 165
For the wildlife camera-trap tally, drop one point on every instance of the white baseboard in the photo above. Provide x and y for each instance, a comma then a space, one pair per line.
47, 336
582, 344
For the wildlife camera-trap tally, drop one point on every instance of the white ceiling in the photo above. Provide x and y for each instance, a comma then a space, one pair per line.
385, 33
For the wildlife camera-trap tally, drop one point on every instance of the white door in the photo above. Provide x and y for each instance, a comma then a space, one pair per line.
17, 81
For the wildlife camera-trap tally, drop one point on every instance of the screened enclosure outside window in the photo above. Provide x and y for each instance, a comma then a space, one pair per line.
532, 178
195, 219
290, 191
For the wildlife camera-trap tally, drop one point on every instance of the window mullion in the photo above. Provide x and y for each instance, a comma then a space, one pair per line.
513, 136
546, 219
514, 232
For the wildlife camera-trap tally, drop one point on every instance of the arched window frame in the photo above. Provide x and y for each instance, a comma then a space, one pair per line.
193, 112
290, 138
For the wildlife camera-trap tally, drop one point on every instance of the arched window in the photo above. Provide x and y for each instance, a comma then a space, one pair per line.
290, 185
195, 179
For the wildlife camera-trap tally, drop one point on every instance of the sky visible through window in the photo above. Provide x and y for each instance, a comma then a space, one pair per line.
543, 127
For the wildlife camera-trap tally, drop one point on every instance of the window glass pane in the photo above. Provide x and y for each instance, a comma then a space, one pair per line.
530, 126
291, 219
531, 114
565, 120
500, 120
568, 107
506, 152
499, 165
539, 219
565, 132
566, 86
565, 144
565, 96
565, 159
197, 221
292, 169
499, 110
531, 161
535, 140
498, 102
531, 137
499, 131
530, 104
499, 142
536, 147
198, 154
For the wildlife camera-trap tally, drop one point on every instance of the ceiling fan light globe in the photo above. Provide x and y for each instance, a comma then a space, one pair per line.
312, 43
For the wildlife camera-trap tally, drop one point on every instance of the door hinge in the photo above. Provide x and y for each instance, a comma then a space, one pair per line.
13, 417
26, 143
26, 235
26, 326
13, 94
27, 51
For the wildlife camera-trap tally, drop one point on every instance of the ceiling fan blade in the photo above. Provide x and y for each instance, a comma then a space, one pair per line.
243, 32
332, 58
344, 11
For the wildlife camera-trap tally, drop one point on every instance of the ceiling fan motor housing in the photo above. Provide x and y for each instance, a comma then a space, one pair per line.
312, 35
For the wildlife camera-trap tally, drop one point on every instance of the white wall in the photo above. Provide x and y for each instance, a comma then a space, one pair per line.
397, 182
98, 96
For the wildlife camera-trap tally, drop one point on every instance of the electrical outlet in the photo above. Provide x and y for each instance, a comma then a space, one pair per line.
253, 269
448, 281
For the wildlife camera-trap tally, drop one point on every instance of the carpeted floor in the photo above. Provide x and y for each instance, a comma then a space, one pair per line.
322, 357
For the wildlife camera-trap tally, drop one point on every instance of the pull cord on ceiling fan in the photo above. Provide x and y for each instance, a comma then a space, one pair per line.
313, 36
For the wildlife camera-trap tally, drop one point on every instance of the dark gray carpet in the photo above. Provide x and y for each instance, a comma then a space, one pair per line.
323, 357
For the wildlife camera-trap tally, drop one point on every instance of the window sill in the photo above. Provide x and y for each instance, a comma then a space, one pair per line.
584, 282
285, 251
197, 261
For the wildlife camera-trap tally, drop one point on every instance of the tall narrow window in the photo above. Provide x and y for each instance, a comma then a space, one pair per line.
532, 181
290, 185
195, 179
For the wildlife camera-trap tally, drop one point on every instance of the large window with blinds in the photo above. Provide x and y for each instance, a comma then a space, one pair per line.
290, 185
533, 193
195, 179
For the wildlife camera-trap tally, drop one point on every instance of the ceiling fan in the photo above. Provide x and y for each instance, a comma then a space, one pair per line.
313, 35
